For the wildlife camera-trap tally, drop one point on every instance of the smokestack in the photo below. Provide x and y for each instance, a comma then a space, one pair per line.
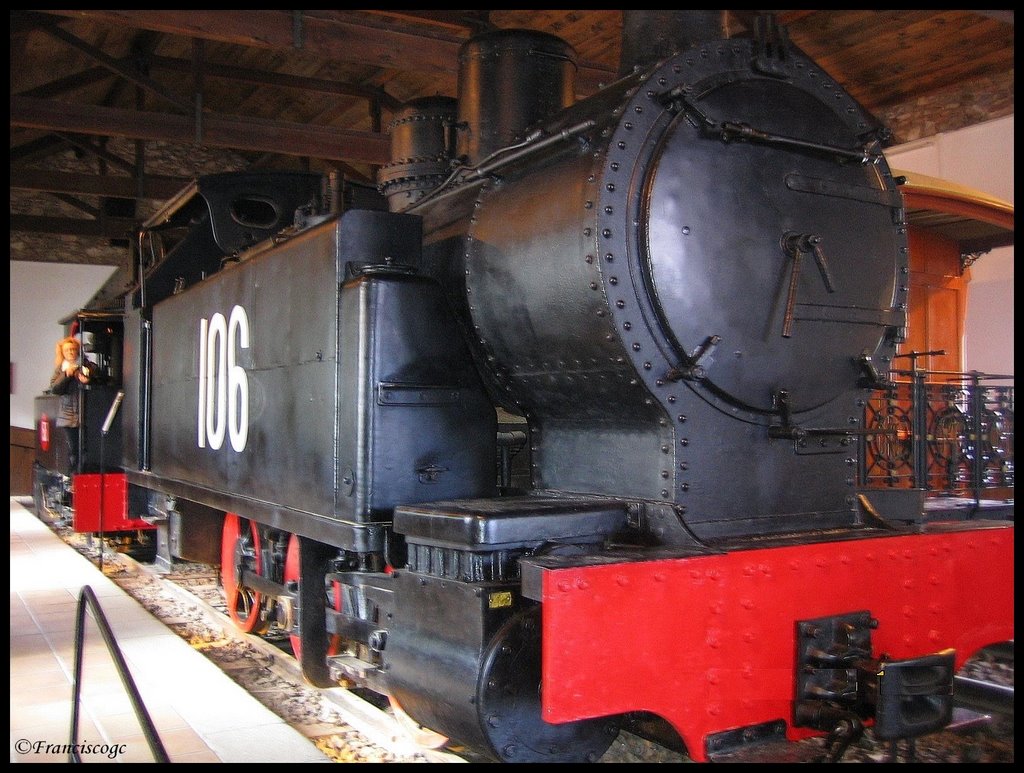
508, 81
648, 37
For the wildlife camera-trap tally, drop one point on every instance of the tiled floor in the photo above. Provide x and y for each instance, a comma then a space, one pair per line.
200, 715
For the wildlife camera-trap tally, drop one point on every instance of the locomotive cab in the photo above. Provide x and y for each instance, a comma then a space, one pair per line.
79, 493
101, 337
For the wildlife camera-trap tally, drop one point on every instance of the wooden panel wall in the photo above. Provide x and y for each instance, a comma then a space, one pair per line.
938, 301
23, 447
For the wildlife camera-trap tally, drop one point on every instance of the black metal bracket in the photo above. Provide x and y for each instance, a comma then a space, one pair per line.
871, 376
691, 369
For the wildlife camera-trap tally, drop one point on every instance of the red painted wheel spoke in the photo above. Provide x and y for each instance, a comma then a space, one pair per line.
245, 605
291, 574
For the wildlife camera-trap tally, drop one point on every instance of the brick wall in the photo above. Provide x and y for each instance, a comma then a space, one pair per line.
951, 109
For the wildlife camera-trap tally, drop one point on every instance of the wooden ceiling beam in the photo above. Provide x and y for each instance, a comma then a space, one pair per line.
474, 21
264, 78
329, 34
107, 227
23, 22
79, 204
101, 153
69, 83
241, 74
321, 34
119, 68
155, 187
77, 257
218, 131
35, 149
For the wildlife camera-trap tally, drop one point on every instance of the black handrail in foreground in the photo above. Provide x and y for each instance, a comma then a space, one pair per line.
87, 598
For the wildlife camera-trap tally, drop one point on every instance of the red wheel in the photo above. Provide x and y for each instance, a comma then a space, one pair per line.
245, 605
291, 574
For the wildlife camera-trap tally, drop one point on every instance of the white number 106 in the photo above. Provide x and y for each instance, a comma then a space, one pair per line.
223, 385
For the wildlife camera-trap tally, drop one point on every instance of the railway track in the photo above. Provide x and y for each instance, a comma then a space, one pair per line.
357, 726
347, 725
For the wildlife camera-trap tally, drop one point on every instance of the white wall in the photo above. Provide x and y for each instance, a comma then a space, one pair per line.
42, 294
980, 157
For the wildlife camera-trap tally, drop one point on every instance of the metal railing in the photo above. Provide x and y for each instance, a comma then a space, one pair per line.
944, 432
86, 598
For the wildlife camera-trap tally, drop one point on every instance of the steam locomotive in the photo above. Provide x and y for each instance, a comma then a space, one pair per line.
560, 432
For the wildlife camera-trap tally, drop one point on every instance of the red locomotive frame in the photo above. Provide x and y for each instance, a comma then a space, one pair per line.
712, 638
